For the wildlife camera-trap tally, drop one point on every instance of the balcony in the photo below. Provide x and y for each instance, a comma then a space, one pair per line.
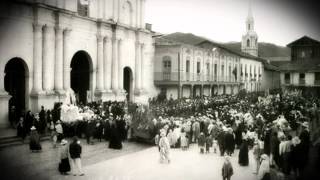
166, 76
174, 78
287, 81
302, 81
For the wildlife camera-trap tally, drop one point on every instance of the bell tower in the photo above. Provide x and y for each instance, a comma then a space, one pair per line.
249, 43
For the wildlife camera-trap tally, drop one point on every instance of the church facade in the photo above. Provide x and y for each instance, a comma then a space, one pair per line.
73, 51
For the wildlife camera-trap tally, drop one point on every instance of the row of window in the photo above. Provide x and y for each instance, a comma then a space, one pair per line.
167, 68
302, 76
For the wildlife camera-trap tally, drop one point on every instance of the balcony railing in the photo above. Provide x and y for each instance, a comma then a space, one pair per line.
302, 81
174, 77
287, 81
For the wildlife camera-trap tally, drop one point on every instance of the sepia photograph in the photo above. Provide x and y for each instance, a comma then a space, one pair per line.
159, 90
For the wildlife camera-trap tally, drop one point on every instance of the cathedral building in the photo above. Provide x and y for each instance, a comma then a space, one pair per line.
73, 51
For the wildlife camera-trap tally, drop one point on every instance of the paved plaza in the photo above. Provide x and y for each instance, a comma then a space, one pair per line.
134, 162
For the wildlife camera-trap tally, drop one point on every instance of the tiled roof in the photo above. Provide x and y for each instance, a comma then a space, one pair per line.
303, 39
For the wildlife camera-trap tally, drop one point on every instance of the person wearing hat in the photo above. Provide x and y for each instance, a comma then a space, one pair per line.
305, 144
243, 153
75, 151
296, 156
256, 154
229, 141
227, 170
201, 142
64, 165
59, 131
164, 148
34, 143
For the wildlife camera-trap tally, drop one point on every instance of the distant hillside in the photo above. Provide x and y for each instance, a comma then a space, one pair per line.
265, 49
187, 38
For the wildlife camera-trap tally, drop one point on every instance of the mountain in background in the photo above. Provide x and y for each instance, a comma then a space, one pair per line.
266, 50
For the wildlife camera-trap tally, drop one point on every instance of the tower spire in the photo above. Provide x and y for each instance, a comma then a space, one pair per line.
250, 16
250, 39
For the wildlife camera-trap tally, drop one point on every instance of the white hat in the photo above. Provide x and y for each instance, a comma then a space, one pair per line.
296, 140
226, 157
305, 124
264, 156
33, 128
63, 142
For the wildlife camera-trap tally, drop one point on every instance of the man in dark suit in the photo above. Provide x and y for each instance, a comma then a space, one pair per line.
75, 150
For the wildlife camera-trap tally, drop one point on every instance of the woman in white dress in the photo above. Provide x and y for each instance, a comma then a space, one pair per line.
164, 148
183, 140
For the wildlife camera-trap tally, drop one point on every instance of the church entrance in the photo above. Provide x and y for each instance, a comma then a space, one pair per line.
81, 67
127, 83
15, 83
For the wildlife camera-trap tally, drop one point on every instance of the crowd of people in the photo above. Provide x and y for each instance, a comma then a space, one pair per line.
279, 128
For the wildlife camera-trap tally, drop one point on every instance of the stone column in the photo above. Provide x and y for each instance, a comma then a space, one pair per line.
120, 65
2, 90
118, 10
114, 82
48, 58
100, 9
142, 65
180, 92
114, 9
191, 91
138, 68
107, 54
138, 5
66, 57
142, 10
100, 82
58, 65
37, 59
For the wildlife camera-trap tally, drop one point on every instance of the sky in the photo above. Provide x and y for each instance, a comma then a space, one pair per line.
276, 21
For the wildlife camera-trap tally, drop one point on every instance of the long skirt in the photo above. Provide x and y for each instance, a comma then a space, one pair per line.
243, 157
164, 156
64, 165
34, 146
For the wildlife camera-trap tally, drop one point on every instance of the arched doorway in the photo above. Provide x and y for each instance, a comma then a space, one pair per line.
81, 67
127, 83
15, 83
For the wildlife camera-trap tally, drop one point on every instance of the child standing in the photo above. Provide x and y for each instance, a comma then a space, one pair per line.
227, 170
208, 143
201, 142
215, 145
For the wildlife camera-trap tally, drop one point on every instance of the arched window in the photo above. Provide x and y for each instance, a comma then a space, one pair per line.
127, 13
248, 43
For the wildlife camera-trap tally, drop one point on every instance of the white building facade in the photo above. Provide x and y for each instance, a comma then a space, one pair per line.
74, 50
251, 74
187, 71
